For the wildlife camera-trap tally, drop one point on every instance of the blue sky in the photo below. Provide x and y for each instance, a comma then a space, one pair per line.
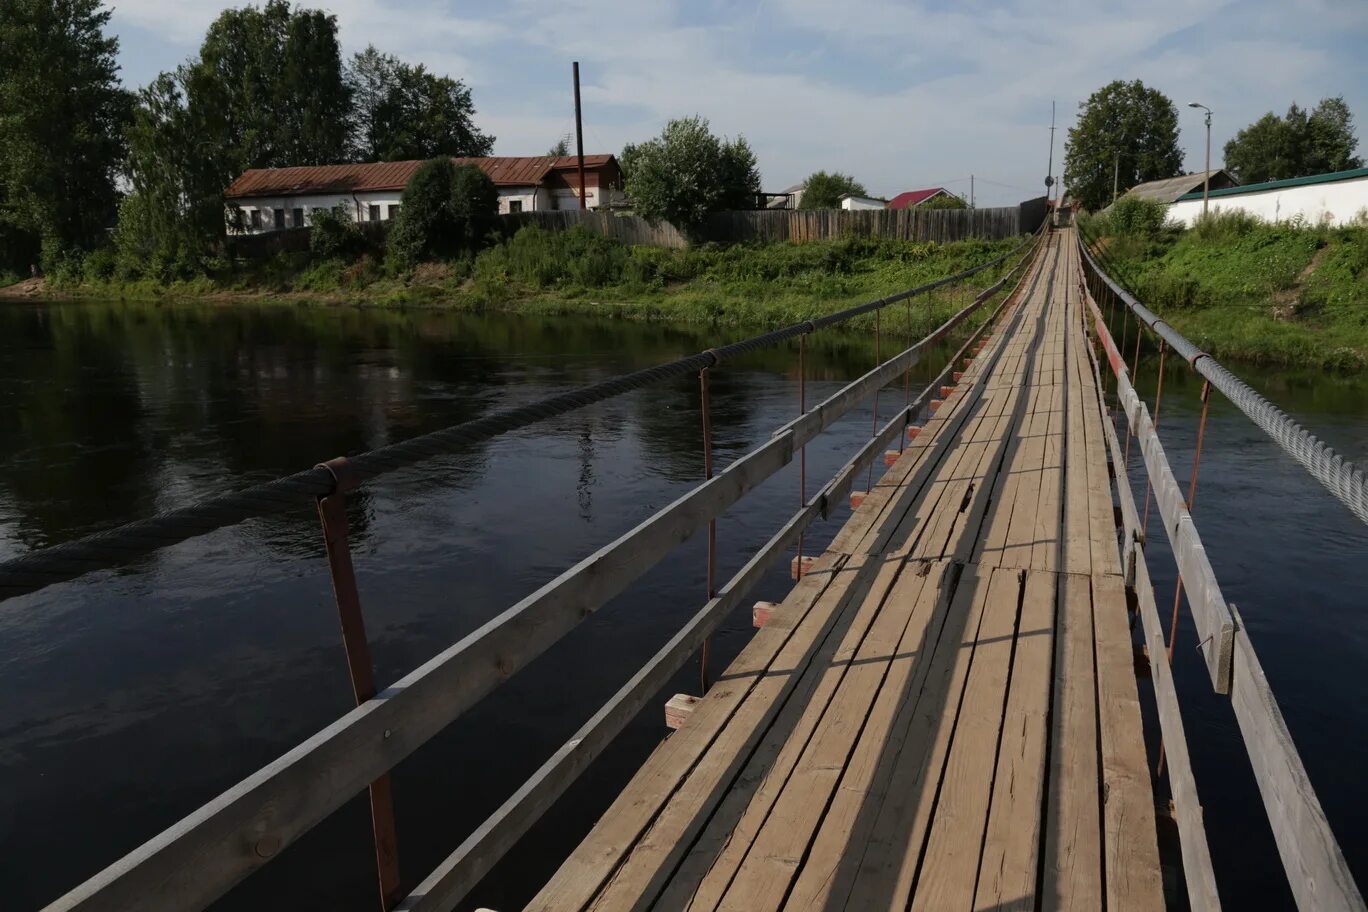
899, 94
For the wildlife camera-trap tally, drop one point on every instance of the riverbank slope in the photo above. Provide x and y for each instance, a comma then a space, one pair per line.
1245, 290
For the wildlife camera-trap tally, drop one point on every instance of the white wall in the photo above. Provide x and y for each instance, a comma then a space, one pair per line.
356, 205
1333, 202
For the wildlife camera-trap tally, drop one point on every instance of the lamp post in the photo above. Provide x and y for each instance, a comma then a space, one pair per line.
1206, 178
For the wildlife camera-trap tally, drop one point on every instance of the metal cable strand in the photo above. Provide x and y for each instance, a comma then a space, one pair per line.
1338, 475
126, 543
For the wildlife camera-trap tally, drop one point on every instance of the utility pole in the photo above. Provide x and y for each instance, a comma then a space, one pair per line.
1049, 170
579, 138
1116, 175
971, 192
1206, 177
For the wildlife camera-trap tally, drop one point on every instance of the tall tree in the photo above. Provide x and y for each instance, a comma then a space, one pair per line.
823, 191
266, 91
687, 172
1295, 145
406, 112
1125, 126
561, 148
62, 116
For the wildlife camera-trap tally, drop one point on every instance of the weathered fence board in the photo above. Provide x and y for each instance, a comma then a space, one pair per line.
763, 226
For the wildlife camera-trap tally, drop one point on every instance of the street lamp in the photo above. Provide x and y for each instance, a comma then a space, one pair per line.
1206, 178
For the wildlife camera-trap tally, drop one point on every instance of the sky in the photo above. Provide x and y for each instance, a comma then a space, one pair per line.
901, 95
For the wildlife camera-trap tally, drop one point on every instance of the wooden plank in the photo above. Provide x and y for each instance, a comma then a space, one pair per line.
955, 842
773, 858
1011, 846
1198, 873
1316, 870
1073, 828
833, 857
888, 860
1130, 842
713, 859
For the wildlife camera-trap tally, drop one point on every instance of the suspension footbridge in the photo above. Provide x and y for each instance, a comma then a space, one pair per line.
945, 712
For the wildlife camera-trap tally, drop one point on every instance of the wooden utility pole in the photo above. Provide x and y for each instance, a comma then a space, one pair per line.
1116, 175
579, 138
971, 191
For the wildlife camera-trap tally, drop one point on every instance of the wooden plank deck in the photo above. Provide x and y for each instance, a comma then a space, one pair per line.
943, 713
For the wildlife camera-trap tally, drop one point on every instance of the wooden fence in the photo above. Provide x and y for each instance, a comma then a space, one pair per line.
799, 225
765, 226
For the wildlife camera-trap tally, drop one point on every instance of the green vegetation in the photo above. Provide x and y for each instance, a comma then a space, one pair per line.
576, 271
1126, 131
1244, 289
445, 212
944, 201
687, 172
823, 191
1302, 143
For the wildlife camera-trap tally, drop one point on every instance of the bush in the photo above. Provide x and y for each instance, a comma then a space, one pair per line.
446, 211
1131, 216
334, 236
1226, 226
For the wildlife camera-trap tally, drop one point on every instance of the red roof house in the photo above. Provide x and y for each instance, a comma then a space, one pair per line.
912, 198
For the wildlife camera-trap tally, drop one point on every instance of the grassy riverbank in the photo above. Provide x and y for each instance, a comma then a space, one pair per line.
575, 272
1245, 290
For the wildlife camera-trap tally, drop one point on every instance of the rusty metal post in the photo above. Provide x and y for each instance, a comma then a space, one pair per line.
1158, 401
802, 450
712, 523
332, 512
907, 380
878, 359
1191, 503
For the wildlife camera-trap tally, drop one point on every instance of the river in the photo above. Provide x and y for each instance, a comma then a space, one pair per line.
132, 697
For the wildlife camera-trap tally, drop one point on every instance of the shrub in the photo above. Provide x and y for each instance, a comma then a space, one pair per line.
1227, 225
334, 236
1131, 216
446, 211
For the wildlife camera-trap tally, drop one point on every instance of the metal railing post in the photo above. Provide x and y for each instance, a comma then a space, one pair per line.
332, 513
706, 394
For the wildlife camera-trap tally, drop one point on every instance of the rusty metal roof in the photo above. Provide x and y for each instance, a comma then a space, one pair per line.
505, 171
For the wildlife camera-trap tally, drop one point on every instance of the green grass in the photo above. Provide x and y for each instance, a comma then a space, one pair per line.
1246, 290
577, 272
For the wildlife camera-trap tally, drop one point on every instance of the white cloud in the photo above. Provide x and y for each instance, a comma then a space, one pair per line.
900, 94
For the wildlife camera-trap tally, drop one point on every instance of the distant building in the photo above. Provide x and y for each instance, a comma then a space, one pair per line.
788, 198
850, 201
268, 199
910, 199
1170, 188
1337, 198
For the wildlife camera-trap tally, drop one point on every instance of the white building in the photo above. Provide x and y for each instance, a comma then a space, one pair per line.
268, 199
1337, 198
850, 202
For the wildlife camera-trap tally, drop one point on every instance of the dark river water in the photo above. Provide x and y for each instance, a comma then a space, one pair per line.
132, 697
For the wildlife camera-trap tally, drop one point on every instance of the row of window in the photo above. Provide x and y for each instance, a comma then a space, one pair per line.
298, 217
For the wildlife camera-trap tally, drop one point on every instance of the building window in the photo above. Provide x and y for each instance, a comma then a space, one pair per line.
393, 211
373, 212
278, 218
515, 205
297, 217
255, 215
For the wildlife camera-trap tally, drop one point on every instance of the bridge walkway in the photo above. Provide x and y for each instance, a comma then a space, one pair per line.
943, 713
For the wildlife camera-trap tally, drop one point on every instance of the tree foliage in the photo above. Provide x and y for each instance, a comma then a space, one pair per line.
687, 172
445, 211
561, 148
1296, 145
405, 112
823, 191
1125, 125
944, 201
62, 116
